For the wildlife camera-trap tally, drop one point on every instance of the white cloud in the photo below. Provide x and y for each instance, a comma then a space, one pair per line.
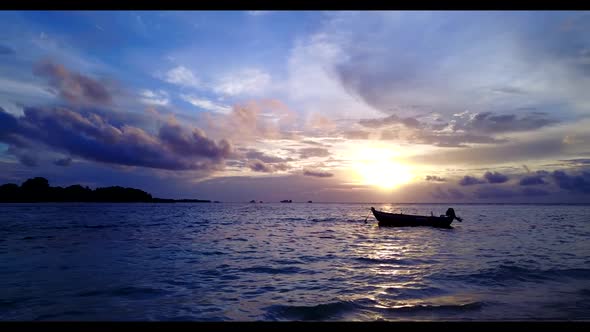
182, 76
313, 85
248, 81
154, 98
23, 91
206, 104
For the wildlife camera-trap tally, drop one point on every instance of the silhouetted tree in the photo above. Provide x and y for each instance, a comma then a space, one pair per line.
9, 192
35, 189
38, 190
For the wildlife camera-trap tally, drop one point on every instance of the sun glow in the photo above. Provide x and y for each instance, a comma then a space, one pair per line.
377, 167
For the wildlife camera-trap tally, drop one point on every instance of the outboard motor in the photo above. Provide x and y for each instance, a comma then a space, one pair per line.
451, 214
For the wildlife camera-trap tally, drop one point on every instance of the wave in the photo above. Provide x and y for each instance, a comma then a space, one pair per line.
101, 226
476, 305
317, 312
126, 291
293, 219
271, 270
398, 261
507, 273
335, 309
38, 237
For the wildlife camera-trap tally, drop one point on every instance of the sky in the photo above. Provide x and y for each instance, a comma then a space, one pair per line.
329, 106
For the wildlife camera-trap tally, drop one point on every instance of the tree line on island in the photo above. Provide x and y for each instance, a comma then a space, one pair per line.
38, 190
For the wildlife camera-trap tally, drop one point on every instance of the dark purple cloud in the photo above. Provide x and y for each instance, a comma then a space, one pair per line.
532, 180
494, 192
450, 193
92, 137
495, 177
470, 180
313, 152
534, 192
255, 154
435, 178
73, 87
319, 174
260, 166
193, 143
575, 183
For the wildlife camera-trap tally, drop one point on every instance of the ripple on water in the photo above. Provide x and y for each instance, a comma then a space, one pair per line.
131, 292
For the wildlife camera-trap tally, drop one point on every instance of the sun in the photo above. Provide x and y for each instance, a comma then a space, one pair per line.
379, 168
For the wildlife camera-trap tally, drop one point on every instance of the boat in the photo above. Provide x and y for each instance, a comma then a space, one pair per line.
409, 220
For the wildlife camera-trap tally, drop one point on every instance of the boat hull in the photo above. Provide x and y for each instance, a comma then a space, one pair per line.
408, 220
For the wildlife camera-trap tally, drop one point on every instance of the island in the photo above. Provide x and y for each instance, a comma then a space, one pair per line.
37, 190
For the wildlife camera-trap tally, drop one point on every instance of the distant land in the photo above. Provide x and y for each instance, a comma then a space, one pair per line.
38, 190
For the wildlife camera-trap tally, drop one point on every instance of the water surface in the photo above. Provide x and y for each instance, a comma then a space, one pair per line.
299, 261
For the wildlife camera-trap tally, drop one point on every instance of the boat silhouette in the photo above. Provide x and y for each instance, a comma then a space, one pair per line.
409, 220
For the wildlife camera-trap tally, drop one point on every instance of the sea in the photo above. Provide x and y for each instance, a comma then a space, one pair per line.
291, 262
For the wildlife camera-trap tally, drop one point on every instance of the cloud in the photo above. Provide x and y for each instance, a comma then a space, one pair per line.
450, 193
206, 104
526, 150
495, 177
575, 183
532, 180
63, 162
255, 154
73, 87
451, 139
488, 122
315, 173
494, 192
313, 152
435, 178
255, 119
27, 160
577, 161
154, 97
389, 135
182, 76
92, 137
318, 121
193, 142
461, 61
356, 134
534, 192
390, 120
470, 180
248, 81
260, 166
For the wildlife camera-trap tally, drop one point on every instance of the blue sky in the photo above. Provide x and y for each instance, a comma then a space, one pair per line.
332, 106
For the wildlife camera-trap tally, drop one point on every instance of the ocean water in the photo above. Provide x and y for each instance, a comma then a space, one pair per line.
291, 262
